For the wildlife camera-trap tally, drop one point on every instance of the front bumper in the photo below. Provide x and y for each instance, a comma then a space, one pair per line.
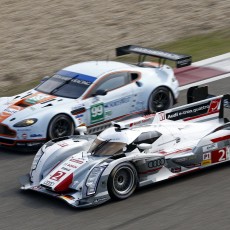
72, 198
6, 142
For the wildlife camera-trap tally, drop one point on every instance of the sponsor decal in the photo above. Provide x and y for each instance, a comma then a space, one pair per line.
97, 113
156, 163
181, 159
77, 161
49, 183
13, 109
190, 112
147, 118
207, 156
32, 108
79, 116
36, 135
100, 199
108, 113
38, 98
57, 175
161, 116
8, 112
117, 102
37, 187
71, 165
214, 106
210, 147
23, 130
24, 136
206, 162
63, 144
219, 155
65, 169
157, 53
215, 156
85, 79
206, 159
176, 170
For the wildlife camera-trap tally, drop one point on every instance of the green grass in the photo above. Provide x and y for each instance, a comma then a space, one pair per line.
199, 46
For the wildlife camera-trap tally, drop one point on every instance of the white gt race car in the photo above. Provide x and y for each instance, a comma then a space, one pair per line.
88, 170
92, 94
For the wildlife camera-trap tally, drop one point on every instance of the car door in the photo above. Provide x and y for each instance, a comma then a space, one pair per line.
117, 102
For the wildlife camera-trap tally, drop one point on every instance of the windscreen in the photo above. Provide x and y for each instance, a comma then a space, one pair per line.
64, 86
106, 148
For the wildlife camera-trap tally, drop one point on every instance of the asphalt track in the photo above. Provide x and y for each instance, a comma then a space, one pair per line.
196, 201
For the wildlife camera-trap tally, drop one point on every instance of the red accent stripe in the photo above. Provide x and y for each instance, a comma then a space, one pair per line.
177, 151
152, 170
64, 185
220, 138
186, 172
199, 116
21, 141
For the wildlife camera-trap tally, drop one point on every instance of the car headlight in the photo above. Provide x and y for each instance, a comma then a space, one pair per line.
26, 122
93, 179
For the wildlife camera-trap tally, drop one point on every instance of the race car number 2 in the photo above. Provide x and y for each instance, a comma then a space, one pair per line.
57, 176
219, 155
97, 113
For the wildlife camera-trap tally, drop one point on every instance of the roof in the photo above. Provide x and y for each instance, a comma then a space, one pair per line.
97, 68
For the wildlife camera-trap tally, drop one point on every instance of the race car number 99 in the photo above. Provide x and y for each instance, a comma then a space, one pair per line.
97, 113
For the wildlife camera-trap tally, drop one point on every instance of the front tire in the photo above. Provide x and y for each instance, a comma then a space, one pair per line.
122, 181
160, 99
60, 126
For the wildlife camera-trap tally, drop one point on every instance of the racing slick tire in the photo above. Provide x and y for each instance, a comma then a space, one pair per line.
122, 181
159, 100
60, 126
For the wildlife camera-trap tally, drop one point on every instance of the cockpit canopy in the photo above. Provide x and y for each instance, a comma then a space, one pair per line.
108, 147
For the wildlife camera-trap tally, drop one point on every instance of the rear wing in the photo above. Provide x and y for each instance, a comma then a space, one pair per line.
180, 59
201, 107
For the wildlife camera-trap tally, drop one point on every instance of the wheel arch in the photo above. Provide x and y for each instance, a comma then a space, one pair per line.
63, 113
166, 87
110, 188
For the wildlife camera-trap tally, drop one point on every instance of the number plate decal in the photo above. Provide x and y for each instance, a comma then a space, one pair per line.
97, 113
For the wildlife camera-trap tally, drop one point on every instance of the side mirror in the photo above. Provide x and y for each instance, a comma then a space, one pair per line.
82, 130
45, 79
139, 84
144, 146
100, 92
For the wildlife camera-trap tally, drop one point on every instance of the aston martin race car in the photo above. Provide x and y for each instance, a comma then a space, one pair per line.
92, 94
88, 170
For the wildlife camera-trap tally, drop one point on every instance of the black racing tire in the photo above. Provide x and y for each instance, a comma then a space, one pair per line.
122, 181
60, 126
160, 99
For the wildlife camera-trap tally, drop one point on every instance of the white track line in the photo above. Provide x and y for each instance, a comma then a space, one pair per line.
211, 60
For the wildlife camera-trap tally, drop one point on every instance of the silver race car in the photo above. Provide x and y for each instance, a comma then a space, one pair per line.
92, 94
88, 170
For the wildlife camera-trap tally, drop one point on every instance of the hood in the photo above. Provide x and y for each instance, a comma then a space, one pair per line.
27, 104
70, 173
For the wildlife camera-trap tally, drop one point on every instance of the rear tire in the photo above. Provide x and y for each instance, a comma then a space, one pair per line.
122, 181
60, 126
160, 99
